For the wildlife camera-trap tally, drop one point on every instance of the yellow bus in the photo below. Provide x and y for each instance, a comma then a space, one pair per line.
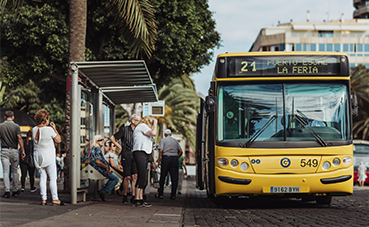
277, 123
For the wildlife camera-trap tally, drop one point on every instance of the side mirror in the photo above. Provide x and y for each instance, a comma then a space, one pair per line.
354, 105
210, 103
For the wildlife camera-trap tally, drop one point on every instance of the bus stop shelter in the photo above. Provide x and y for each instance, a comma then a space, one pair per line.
95, 87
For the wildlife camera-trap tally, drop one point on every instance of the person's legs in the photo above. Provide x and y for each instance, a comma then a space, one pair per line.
31, 172
6, 169
133, 184
174, 175
141, 159
163, 173
180, 180
43, 188
24, 168
52, 172
113, 180
14, 160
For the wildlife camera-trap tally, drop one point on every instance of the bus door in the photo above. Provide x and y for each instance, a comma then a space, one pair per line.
200, 147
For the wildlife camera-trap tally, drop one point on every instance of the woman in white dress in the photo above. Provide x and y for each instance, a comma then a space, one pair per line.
362, 174
44, 135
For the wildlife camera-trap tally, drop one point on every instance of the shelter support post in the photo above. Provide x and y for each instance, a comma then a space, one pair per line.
74, 134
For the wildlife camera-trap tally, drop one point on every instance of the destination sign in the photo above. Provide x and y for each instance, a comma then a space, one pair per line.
316, 65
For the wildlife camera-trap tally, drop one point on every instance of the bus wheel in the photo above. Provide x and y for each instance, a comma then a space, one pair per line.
323, 200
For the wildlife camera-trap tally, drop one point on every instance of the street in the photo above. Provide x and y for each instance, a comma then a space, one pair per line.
344, 211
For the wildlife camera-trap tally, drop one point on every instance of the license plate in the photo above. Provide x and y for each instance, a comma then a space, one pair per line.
284, 189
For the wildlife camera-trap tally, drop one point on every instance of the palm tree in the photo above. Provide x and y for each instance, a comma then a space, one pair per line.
360, 86
181, 107
121, 116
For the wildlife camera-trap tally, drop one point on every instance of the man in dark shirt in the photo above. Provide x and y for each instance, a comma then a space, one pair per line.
125, 134
10, 135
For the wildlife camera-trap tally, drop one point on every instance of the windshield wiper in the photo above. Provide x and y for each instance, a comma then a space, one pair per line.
300, 120
261, 130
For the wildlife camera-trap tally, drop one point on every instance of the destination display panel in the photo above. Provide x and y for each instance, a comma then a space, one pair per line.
299, 65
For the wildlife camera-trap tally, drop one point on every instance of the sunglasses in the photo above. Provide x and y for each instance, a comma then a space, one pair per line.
99, 140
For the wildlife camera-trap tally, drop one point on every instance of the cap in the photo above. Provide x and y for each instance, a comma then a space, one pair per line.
167, 131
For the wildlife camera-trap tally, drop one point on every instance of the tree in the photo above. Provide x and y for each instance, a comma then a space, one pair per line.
186, 38
181, 107
360, 86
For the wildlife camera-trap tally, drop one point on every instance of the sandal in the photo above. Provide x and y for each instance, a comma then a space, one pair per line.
159, 196
43, 202
58, 203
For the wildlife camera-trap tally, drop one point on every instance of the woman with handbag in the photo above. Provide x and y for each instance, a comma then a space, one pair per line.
44, 135
27, 164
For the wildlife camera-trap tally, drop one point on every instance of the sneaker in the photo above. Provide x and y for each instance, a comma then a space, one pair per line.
139, 204
33, 189
179, 193
16, 193
102, 196
172, 198
22, 189
159, 196
125, 200
146, 204
6, 195
133, 201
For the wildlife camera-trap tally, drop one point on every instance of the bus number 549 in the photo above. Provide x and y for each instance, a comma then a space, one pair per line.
309, 162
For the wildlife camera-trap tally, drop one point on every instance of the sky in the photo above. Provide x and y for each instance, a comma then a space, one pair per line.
240, 21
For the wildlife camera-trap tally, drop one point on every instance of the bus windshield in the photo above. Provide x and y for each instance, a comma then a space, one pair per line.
283, 112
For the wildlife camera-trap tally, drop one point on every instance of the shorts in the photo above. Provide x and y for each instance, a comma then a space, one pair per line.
129, 164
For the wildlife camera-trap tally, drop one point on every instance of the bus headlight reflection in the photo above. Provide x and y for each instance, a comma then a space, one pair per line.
234, 163
244, 166
346, 160
223, 161
326, 165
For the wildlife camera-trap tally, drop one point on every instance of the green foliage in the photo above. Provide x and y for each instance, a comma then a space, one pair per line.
34, 43
185, 41
121, 117
181, 107
34, 48
360, 85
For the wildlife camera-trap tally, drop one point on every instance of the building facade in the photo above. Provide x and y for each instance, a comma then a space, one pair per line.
361, 9
348, 36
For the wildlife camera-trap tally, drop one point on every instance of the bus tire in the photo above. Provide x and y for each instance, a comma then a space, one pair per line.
323, 200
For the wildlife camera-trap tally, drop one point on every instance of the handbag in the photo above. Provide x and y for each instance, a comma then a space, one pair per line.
29, 160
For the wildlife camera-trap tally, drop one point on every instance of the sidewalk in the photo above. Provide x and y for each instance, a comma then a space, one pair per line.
25, 210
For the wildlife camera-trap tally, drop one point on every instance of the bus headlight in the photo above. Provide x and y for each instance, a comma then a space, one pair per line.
223, 161
234, 163
244, 166
346, 160
326, 165
336, 162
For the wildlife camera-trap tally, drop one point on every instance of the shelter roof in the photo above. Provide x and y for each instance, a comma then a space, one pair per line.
121, 81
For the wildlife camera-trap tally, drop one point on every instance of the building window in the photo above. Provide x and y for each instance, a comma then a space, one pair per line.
366, 3
304, 46
326, 34
321, 47
298, 47
312, 47
366, 47
359, 47
345, 47
282, 47
352, 48
337, 47
329, 47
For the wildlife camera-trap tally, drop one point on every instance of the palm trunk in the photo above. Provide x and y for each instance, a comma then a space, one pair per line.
77, 40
